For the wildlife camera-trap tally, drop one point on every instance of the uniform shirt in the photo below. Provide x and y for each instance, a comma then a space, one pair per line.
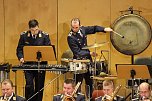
26, 39
77, 41
78, 97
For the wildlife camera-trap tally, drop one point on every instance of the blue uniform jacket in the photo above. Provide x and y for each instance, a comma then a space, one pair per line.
77, 41
26, 39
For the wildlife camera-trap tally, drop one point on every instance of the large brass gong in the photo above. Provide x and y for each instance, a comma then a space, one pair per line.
136, 31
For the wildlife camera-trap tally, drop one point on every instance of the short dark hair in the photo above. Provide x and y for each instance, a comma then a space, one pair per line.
75, 19
33, 23
70, 81
7, 81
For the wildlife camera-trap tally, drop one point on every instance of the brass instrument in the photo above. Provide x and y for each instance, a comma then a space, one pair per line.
71, 98
4, 98
113, 94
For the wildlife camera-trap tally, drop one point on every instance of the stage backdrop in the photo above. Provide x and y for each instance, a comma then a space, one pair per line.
54, 17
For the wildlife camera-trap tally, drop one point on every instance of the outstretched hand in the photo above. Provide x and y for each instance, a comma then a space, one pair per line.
108, 29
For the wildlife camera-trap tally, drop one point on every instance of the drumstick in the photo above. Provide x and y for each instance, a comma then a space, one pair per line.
118, 34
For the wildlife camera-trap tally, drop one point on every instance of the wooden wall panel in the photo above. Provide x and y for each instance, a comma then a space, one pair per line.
2, 31
54, 17
18, 13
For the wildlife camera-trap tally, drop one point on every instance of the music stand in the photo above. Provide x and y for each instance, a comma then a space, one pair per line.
39, 53
127, 71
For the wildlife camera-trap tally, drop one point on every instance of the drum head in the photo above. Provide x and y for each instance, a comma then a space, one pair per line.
136, 31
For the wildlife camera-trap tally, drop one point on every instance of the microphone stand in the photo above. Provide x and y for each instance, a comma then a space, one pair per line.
44, 87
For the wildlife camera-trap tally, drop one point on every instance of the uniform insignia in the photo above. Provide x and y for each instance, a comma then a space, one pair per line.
70, 34
45, 33
14, 98
28, 34
40, 35
23, 32
27, 42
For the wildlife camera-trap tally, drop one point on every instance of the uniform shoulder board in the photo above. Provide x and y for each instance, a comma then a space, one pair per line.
24, 32
80, 93
70, 34
120, 96
58, 95
45, 33
97, 97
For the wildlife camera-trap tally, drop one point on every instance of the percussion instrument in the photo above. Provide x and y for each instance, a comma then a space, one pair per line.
95, 45
135, 34
55, 68
77, 66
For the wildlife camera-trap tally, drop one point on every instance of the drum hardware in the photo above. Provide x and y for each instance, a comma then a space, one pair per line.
96, 45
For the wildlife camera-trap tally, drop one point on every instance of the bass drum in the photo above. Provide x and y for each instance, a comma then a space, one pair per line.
136, 31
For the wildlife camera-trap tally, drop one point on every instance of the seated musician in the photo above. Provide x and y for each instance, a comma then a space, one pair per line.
8, 93
68, 89
108, 90
145, 92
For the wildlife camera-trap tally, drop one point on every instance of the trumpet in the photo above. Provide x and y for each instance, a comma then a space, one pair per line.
71, 98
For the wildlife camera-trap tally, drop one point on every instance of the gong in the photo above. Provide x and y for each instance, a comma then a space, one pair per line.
136, 31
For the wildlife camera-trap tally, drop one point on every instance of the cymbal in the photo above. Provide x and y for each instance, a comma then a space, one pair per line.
74, 60
95, 45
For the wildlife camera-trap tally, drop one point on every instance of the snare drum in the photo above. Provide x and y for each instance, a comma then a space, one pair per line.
78, 67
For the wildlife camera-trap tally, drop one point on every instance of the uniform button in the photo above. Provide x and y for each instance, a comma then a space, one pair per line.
78, 39
79, 42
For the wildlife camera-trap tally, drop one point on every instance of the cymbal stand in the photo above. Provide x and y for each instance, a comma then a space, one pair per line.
102, 55
95, 67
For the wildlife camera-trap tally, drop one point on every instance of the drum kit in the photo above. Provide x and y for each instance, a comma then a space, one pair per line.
82, 66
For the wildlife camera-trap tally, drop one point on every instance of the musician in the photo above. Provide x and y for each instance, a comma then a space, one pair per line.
77, 39
145, 91
8, 92
68, 88
33, 37
108, 90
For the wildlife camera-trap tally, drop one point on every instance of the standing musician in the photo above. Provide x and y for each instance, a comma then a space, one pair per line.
108, 90
33, 37
145, 92
68, 89
77, 39
8, 92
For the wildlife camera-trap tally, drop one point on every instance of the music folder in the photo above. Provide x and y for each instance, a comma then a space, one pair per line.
47, 53
141, 71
